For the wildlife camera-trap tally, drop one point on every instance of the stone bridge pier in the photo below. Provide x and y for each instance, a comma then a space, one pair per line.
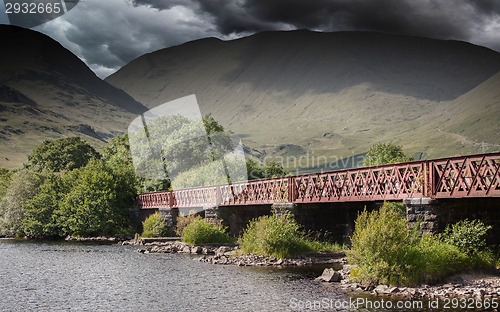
435, 214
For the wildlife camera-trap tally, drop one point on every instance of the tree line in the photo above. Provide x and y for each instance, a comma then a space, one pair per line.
67, 187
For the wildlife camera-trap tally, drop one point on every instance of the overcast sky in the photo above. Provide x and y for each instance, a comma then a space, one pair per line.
107, 34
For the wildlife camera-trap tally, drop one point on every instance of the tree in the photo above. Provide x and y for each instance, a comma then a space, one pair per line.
93, 206
5, 177
385, 153
62, 154
254, 170
171, 145
40, 212
274, 169
24, 186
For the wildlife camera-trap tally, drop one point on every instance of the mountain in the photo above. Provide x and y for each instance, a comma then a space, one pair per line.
331, 95
46, 92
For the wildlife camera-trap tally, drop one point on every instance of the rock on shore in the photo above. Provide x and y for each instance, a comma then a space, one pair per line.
479, 285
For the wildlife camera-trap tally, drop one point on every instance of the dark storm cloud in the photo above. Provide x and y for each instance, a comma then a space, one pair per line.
448, 19
108, 34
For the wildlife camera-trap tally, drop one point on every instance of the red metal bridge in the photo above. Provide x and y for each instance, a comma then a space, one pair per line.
454, 177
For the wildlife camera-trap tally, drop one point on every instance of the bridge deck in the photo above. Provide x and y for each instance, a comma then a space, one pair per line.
454, 177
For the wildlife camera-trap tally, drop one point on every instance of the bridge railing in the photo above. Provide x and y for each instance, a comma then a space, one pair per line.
466, 176
461, 176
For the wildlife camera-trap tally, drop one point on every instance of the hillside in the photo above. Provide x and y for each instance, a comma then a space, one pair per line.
303, 93
46, 92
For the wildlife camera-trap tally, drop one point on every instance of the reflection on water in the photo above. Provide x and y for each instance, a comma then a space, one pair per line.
72, 276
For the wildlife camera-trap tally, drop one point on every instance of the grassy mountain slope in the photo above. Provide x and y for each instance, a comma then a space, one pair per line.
330, 95
46, 92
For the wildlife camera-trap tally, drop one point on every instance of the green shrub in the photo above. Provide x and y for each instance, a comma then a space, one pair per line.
183, 221
155, 226
382, 246
274, 235
199, 231
468, 236
386, 251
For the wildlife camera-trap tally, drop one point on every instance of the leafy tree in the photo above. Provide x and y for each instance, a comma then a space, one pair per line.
254, 170
271, 169
212, 125
40, 217
274, 169
93, 205
117, 156
385, 153
5, 177
24, 186
62, 154
177, 144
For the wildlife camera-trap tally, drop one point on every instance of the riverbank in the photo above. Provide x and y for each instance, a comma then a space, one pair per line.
111, 239
480, 285
228, 254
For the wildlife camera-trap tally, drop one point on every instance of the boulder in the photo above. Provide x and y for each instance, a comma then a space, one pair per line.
330, 275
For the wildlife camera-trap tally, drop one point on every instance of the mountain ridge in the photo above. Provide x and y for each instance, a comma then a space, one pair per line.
46, 92
279, 88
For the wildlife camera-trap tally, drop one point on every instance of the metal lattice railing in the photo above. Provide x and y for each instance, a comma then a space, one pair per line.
455, 177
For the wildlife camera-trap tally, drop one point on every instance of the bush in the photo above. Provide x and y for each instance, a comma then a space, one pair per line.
155, 226
386, 251
468, 236
274, 235
183, 221
199, 231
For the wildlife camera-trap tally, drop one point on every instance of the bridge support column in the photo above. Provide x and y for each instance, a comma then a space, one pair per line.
280, 209
423, 210
212, 214
170, 216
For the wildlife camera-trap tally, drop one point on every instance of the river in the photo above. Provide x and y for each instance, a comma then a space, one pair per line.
75, 276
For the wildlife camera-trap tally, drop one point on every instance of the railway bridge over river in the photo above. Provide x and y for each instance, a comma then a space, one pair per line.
434, 191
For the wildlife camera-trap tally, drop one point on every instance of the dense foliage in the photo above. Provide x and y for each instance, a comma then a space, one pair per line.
468, 236
385, 153
385, 250
23, 187
5, 178
270, 169
200, 231
183, 221
281, 236
68, 188
62, 154
155, 226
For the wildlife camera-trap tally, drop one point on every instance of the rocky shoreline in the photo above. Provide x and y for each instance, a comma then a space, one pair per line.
112, 239
479, 285
228, 254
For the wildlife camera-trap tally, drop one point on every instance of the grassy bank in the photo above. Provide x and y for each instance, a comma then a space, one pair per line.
385, 250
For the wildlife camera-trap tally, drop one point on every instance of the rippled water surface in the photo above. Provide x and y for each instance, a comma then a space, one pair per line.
72, 276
